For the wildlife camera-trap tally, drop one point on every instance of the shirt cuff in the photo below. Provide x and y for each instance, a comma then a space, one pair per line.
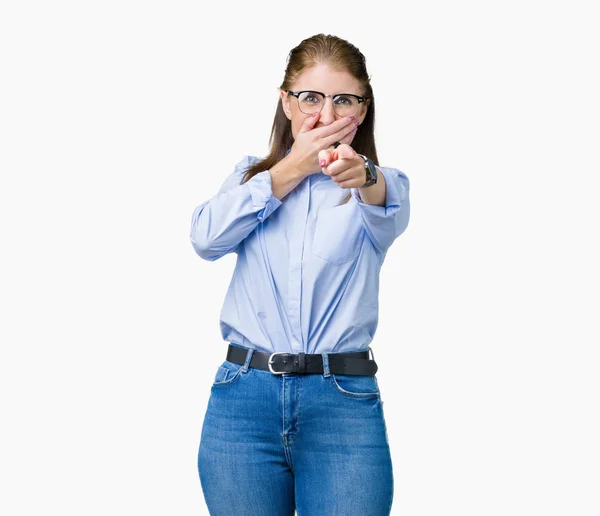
261, 189
396, 191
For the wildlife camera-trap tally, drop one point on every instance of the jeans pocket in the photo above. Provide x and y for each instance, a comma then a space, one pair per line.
227, 373
355, 386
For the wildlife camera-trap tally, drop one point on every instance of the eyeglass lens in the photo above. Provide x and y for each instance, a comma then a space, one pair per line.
311, 101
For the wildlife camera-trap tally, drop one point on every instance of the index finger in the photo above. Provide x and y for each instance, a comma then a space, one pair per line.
324, 155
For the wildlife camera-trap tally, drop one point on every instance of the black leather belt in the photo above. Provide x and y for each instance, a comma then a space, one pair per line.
356, 362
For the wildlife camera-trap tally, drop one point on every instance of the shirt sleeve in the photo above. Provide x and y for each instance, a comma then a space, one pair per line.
384, 224
221, 223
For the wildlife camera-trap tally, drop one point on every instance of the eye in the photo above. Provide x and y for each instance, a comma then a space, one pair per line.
345, 100
310, 97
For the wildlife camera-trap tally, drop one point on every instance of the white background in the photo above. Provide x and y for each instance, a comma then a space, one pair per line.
117, 118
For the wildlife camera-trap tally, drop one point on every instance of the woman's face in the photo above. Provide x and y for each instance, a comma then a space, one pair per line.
327, 80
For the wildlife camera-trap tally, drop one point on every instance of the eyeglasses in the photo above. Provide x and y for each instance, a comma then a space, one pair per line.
344, 104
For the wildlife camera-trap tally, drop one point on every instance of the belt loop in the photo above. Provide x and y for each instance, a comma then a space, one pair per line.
248, 359
301, 363
372, 354
325, 364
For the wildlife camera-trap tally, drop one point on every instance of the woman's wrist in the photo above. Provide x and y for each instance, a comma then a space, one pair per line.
285, 176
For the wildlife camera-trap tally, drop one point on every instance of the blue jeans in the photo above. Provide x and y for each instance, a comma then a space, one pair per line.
314, 443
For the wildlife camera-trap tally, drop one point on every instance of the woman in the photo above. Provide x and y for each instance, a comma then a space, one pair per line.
295, 418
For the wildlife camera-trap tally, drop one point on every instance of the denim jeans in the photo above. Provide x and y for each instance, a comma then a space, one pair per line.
313, 443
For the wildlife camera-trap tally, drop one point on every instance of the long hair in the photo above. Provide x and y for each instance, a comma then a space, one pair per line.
339, 54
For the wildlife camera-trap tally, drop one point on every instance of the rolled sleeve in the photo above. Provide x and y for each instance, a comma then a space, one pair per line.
384, 224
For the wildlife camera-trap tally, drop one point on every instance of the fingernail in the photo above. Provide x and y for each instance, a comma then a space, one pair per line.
351, 118
322, 162
314, 114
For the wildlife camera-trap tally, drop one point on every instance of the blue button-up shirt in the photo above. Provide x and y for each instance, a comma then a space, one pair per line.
307, 272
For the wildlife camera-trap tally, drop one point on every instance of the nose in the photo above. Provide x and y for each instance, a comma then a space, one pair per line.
328, 114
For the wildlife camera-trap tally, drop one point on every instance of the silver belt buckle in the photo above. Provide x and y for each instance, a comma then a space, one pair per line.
271, 361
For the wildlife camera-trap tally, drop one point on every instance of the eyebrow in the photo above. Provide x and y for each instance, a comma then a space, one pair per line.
334, 94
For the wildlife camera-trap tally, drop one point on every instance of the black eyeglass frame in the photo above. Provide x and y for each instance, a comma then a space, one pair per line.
297, 95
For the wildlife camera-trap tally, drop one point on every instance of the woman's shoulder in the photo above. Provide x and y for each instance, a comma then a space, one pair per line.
235, 177
246, 162
394, 170
394, 173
